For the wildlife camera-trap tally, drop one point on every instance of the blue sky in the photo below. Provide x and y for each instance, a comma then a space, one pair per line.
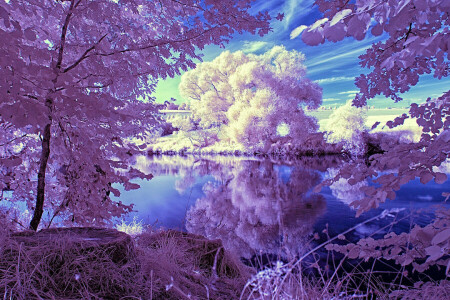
333, 65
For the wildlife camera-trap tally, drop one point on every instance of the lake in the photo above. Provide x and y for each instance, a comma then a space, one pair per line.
261, 205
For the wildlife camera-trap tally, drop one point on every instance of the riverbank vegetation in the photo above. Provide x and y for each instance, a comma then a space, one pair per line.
90, 263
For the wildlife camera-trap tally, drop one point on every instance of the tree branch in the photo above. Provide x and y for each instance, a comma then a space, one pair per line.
64, 33
84, 55
161, 43
14, 139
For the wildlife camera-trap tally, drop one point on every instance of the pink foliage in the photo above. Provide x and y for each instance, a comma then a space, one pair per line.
417, 43
417, 33
70, 76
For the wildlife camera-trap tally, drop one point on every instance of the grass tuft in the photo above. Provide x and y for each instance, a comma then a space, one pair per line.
133, 228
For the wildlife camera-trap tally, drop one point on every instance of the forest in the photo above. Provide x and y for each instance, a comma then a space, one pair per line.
82, 128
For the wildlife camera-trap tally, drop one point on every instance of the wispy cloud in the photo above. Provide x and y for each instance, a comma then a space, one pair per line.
296, 8
334, 79
348, 93
330, 99
327, 58
334, 57
250, 47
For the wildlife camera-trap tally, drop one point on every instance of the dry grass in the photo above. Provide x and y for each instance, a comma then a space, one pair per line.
164, 265
65, 268
133, 228
175, 265
189, 266
295, 281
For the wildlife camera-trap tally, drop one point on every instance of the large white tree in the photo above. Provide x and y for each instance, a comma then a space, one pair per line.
253, 96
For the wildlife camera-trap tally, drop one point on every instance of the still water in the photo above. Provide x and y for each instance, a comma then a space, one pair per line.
265, 205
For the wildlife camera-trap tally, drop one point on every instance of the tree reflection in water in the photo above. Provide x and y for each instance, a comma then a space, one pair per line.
254, 208
252, 205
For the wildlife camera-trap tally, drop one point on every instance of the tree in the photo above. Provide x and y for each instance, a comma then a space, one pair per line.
417, 34
183, 106
71, 72
347, 124
253, 95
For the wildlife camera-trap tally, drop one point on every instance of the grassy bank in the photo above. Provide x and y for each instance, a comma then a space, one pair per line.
175, 265
154, 265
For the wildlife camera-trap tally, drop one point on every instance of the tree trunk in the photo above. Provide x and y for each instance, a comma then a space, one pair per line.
39, 209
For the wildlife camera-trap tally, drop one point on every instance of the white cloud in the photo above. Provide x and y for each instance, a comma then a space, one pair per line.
334, 79
348, 93
250, 47
295, 8
327, 58
330, 99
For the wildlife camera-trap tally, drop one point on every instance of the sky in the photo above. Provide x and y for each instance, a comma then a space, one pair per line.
333, 65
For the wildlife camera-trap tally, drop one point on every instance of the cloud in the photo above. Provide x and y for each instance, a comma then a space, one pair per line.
348, 93
250, 47
330, 99
296, 8
321, 59
425, 197
334, 79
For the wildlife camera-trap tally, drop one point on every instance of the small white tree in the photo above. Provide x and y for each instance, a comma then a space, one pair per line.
347, 124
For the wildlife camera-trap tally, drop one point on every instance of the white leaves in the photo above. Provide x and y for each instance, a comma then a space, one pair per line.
377, 30
314, 35
11, 162
318, 24
250, 94
3, 13
354, 252
297, 31
358, 25
340, 15
401, 5
434, 252
388, 63
422, 5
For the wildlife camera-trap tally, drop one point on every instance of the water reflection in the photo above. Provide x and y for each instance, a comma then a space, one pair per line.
252, 205
264, 205
344, 191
